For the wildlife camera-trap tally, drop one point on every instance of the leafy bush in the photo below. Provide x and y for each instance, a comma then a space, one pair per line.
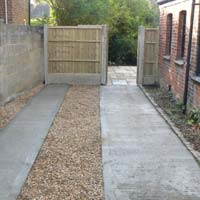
193, 116
42, 21
124, 19
121, 50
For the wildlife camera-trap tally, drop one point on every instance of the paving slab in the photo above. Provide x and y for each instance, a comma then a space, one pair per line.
22, 139
126, 74
142, 157
119, 82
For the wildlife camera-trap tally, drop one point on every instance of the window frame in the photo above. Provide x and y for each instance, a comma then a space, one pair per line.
198, 53
181, 34
169, 34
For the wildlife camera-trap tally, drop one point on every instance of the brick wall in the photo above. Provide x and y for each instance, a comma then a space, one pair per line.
18, 11
173, 69
21, 59
2, 9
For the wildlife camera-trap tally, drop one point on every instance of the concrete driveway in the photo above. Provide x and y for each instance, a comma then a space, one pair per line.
142, 158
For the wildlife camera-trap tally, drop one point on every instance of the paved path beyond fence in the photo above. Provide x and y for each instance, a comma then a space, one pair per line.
122, 75
142, 158
21, 141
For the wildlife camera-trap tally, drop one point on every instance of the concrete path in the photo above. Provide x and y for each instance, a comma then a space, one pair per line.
142, 158
122, 75
21, 141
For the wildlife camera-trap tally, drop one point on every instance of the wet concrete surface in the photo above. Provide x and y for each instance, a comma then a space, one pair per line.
142, 158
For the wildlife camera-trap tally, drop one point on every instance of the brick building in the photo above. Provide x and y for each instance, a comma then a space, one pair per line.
17, 11
176, 17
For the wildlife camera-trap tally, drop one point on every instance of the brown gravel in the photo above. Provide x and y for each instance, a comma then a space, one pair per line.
69, 165
8, 111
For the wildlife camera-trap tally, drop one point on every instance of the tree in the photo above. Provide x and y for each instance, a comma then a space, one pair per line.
124, 19
122, 16
74, 12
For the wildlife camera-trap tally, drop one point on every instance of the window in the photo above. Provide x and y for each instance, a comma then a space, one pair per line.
198, 54
169, 34
181, 35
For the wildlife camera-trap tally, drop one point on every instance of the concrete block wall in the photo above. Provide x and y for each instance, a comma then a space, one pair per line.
21, 59
173, 74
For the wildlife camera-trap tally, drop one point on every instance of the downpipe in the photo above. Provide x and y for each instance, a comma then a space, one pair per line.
187, 74
6, 11
29, 12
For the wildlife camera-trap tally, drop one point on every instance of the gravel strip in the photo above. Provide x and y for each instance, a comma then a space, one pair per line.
69, 165
8, 111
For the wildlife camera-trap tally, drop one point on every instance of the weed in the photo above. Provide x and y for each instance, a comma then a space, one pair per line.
193, 117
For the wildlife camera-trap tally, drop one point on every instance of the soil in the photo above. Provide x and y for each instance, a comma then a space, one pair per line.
174, 110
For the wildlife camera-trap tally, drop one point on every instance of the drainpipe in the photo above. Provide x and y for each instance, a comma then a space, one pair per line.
185, 98
29, 12
6, 11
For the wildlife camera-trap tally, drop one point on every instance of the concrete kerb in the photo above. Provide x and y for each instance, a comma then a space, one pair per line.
102, 139
178, 133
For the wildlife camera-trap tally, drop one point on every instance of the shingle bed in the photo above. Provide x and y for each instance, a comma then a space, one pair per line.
69, 165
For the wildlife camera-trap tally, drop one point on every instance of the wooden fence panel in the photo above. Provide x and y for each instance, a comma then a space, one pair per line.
148, 50
75, 54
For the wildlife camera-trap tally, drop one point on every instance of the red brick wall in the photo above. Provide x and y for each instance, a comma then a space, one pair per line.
2, 5
2, 10
173, 74
18, 11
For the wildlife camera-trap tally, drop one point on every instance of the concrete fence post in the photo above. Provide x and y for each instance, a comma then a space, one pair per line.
104, 54
1, 62
140, 55
46, 53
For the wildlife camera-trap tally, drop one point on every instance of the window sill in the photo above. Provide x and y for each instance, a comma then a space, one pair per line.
196, 79
179, 62
166, 57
